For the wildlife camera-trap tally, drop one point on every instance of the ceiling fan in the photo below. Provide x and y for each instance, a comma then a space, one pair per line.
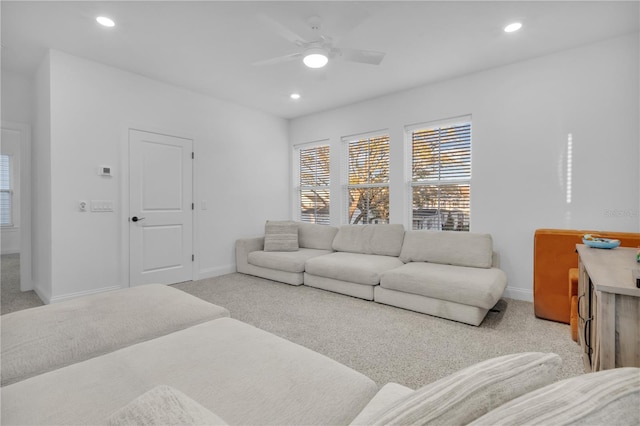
316, 53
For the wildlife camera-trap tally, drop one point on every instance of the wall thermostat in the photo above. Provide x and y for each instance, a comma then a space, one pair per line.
105, 170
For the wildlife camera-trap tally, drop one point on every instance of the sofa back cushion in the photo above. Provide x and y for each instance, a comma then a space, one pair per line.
281, 235
383, 240
314, 236
472, 392
448, 247
607, 397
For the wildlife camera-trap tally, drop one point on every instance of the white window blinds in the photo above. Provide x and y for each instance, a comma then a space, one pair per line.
6, 193
441, 176
313, 185
367, 190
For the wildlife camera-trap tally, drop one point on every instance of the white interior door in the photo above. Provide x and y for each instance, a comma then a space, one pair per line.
160, 208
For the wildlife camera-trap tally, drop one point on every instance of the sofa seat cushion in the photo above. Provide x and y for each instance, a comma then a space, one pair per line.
42, 339
288, 261
470, 286
352, 267
244, 375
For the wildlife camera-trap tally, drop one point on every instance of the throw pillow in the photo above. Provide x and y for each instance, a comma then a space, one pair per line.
280, 236
163, 405
472, 392
609, 397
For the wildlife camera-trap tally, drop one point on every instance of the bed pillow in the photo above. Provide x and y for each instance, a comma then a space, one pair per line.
163, 405
609, 397
472, 392
281, 235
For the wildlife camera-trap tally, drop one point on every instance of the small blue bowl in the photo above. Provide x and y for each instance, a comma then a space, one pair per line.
602, 243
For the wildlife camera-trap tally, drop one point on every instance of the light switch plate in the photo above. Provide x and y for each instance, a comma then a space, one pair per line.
101, 205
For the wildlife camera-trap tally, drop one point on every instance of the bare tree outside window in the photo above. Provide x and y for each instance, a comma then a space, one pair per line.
368, 185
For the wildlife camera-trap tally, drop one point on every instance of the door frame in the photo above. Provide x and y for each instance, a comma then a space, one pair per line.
125, 255
26, 260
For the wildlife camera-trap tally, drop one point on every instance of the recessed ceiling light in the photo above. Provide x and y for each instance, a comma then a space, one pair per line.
512, 27
106, 22
315, 58
295, 96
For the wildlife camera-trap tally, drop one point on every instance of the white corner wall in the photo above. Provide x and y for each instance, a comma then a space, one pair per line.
41, 229
522, 118
241, 170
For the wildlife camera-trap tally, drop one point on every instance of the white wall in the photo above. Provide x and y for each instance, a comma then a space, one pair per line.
522, 116
17, 93
241, 170
41, 183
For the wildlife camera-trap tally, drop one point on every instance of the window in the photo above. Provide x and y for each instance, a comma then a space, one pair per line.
313, 183
441, 175
367, 189
6, 192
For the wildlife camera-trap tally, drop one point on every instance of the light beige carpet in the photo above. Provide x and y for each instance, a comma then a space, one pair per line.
11, 298
385, 343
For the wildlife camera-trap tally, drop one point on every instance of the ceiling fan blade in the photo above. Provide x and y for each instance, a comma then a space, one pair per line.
278, 60
283, 31
363, 56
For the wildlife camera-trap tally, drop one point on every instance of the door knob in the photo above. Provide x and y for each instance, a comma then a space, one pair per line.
136, 218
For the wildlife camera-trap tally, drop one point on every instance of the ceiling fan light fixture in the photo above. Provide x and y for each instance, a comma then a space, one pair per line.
513, 27
105, 22
315, 58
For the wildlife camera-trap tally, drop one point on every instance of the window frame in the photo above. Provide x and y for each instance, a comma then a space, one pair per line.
297, 184
346, 186
438, 182
9, 191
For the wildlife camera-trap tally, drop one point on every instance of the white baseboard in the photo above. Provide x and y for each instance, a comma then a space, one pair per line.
216, 272
69, 296
518, 294
46, 299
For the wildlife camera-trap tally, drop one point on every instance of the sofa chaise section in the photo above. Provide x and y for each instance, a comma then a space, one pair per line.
38, 340
362, 254
284, 266
242, 374
447, 274
223, 371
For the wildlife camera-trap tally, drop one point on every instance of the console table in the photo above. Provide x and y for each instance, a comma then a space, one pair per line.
608, 308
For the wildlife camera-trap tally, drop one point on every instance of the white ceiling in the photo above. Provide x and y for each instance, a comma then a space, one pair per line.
209, 46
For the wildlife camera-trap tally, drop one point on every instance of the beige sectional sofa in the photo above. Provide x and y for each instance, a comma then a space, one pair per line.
361, 255
284, 266
448, 274
194, 365
81, 361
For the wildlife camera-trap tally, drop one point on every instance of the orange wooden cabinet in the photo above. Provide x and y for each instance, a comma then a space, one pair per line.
554, 253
